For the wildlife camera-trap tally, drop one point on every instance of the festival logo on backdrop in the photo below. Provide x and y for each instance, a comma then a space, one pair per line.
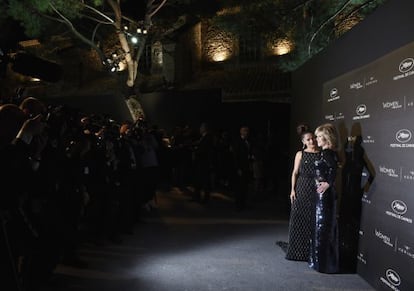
403, 137
405, 68
406, 65
361, 112
361, 109
398, 209
392, 279
333, 95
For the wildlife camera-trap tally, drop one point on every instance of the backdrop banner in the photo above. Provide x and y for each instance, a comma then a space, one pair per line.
373, 109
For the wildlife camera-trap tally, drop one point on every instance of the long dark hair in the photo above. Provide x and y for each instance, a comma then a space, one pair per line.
301, 130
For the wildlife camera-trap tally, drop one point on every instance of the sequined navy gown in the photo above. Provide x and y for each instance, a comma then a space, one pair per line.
324, 244
300, 222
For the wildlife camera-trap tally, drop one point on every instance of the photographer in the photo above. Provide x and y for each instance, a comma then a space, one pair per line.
127, 176
17, 167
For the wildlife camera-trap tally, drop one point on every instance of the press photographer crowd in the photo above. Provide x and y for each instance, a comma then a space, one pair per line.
69, 177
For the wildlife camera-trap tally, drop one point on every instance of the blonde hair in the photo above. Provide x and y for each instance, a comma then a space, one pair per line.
329, 134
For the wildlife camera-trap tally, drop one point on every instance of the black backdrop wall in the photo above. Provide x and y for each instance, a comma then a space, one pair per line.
376, 104
363, 84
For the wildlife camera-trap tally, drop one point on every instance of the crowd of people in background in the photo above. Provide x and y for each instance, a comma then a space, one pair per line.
68, 176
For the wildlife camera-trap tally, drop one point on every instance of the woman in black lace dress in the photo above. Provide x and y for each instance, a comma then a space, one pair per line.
324, 245
301, 197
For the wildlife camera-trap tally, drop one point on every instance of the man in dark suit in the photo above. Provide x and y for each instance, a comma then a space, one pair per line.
203, 164
242, 152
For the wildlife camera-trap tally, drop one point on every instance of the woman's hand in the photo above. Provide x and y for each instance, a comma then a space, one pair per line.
292, 196
322, 187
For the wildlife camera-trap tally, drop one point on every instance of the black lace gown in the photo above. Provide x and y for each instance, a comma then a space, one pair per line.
324, 252
300, 223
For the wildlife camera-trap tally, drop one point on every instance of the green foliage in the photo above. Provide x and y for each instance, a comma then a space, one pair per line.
262, 16
70, 8
31, 22
31, 13
36, 15
97, 2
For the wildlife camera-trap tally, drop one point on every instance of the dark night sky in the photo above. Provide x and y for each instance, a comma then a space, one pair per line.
136, 8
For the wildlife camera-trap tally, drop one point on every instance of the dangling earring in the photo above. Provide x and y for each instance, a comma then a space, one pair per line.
303, 146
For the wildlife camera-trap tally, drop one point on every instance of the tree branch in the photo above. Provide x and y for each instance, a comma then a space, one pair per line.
117, 11
77, 33
131, 64
155, 8
98, 12
355, 10
325, 23
95, 19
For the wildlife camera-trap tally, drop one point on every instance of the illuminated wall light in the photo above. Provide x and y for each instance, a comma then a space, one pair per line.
220, 56
35, 79
219, 46
281, 46
220, 51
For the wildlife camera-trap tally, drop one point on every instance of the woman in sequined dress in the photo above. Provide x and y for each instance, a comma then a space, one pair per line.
301, 198
324, 245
